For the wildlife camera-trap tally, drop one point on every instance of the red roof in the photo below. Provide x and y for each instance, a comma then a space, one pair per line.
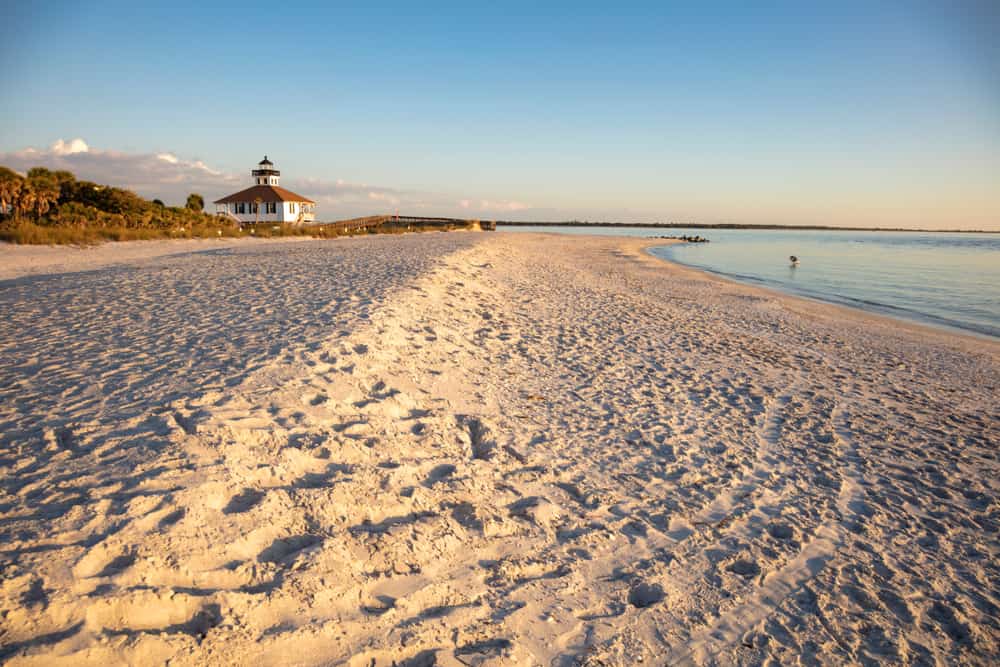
265, 193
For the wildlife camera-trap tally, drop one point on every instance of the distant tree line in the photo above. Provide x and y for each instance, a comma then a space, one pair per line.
33, 195
725, 225
57, 198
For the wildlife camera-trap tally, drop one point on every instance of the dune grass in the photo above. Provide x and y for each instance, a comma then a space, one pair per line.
30, 233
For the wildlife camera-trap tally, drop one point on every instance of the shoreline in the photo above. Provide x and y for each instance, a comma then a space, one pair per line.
920, 324
528, 449
815, 306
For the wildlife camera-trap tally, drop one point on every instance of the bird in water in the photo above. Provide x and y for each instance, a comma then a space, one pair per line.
794, 260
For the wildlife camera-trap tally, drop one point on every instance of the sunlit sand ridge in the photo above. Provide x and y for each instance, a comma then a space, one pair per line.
475, 449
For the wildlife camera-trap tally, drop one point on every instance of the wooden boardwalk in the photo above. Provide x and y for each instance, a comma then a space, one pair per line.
402, 223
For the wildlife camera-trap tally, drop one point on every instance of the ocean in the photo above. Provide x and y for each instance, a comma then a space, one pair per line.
943, 279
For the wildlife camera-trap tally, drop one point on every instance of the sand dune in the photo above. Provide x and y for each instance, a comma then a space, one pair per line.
484, 449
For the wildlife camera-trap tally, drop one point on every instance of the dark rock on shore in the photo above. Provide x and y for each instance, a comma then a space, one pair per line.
687, 239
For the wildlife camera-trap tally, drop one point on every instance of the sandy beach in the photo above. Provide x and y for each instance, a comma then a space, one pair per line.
480, 449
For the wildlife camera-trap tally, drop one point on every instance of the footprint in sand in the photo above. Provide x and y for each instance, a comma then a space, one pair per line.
150, 611
104, 561
744, 568
484, 652
243, 501
644, 594
781, 531
285, 549
171, 518
439, 473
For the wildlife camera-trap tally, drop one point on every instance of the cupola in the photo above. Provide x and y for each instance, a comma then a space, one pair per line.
265, 173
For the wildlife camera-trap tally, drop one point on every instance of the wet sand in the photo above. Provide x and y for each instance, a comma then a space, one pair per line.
483, 449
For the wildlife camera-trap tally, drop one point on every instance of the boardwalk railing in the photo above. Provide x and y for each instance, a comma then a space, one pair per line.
402, 223
356, 224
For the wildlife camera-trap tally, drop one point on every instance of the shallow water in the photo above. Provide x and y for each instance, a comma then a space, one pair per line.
944, 279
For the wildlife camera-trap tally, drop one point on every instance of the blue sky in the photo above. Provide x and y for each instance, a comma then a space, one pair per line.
854, 114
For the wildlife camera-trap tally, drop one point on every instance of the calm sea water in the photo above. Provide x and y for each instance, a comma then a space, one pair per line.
948, 280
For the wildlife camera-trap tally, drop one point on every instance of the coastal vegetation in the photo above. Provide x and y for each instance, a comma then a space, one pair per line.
54, 207
195, 202
46, 206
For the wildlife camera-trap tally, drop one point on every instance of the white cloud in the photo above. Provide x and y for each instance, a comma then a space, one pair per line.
198, 164
60, 147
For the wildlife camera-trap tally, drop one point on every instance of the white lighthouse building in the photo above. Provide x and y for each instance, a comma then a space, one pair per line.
265, 201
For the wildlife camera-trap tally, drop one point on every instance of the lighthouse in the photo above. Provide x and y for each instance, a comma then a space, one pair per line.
266, 200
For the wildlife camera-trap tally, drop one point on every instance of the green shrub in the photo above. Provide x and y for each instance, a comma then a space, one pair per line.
30, 233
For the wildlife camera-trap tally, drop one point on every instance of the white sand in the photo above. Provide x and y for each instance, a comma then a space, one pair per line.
485, 449
32, 260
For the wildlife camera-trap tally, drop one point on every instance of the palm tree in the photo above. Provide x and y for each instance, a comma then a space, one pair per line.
25, 201
46, 194
10, 190
43, 192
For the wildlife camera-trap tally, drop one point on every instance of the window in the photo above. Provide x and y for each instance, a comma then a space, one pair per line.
253, 208
242, 207
271, 207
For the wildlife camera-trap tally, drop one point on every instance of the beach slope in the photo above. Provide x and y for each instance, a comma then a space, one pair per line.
484, 449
